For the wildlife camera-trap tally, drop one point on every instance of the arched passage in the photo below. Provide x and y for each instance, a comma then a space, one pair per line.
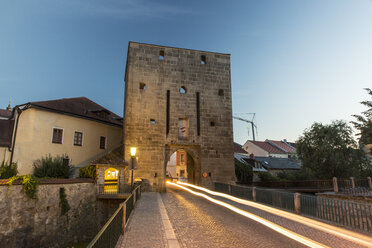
182, 163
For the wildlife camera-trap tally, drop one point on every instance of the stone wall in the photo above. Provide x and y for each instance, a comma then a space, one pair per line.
26, 222
156, 110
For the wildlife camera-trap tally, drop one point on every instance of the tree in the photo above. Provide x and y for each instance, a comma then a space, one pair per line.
363, 122
243, 172
330, 150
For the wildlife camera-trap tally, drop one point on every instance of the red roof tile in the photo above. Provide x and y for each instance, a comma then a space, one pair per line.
238, 148
284, 146
267, 147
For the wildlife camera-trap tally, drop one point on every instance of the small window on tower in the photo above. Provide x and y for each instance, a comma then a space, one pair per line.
152, 121
203, 60
161, 55
220, 92
142, 86
183, 90
213, 124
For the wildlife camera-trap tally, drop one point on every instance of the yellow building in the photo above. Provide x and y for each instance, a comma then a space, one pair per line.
77, 127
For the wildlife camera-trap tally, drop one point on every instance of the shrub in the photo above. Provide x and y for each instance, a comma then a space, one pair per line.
243, 172
8, 171
29, 182
88, 172
48, 166
267, 177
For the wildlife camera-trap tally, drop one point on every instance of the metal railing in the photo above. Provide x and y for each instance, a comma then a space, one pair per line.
316, 184
113, 189
109, 235
357, 187
279, 199
351, 214
241, 192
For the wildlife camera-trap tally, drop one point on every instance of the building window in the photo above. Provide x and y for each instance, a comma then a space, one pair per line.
161, 55
142, 86
183, 90
220, 92
102, 142
203, 60
57, 135
78, 139
182, 158
183, 128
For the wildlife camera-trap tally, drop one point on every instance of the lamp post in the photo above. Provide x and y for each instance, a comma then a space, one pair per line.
132, 163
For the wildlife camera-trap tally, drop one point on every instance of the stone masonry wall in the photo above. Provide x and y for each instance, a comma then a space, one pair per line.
146, 111
26, 222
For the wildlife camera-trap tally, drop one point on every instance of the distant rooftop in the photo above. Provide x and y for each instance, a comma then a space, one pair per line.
268, 147
5, 113
279, 163
238, 148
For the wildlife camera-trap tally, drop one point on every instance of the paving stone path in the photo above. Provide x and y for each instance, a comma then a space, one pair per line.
179, 219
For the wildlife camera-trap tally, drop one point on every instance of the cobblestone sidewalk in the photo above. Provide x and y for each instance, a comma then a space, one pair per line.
149, 225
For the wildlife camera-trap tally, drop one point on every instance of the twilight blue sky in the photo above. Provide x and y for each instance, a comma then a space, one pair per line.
293, 61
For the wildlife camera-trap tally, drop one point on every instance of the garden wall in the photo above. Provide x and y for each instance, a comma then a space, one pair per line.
26, 222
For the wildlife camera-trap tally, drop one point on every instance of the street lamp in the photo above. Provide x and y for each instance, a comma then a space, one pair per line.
132, 163
133, 151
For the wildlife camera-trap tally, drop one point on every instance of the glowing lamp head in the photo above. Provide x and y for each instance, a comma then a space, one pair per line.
133, 151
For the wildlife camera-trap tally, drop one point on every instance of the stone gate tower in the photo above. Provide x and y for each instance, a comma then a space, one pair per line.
179, 99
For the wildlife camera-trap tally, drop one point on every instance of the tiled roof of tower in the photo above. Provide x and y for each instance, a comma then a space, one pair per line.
5, 113
284, 146
267, 147
238, 148
80, 107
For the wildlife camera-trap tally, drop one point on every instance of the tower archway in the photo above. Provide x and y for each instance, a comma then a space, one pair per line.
182, 163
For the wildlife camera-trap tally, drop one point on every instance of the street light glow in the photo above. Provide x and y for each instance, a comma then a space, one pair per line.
343, 233
292, 235
133, 151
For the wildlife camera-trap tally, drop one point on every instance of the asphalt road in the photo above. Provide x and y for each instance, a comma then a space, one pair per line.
198, 222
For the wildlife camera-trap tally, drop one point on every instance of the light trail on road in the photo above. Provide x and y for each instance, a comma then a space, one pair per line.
345, 234
299, 238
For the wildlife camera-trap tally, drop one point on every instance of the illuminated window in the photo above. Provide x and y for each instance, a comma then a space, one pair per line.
78, 139
57, 135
